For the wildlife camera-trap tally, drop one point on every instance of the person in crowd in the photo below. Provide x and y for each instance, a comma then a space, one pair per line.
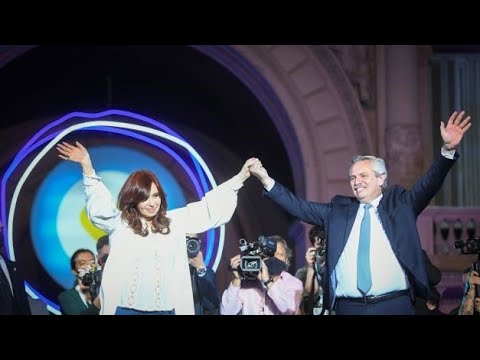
103, 249
206, 298
273, 292
374, 259
471, 301
147, 272
312, 274
13, 298
465, 280
80, 299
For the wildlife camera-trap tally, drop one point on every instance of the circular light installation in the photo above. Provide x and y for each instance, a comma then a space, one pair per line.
49, 134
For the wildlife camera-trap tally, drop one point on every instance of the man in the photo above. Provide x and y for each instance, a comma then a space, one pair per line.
13, 298
274, 292
471, 302
205, 293
103, 249
312, 274
206, 298
79, 300
375, 279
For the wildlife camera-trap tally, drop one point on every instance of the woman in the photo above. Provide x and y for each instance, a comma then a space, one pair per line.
147, 270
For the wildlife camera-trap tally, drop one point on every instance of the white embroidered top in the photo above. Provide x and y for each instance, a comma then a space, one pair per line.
152, 273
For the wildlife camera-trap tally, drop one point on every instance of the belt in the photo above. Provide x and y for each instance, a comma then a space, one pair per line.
373, 299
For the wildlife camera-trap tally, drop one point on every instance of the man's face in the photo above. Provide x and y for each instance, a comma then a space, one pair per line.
365, 183
83, 262
103, 254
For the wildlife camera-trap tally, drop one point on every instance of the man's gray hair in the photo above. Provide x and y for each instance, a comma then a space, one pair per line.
378, 166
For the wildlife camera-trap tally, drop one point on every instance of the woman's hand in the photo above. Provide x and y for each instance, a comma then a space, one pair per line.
76, 153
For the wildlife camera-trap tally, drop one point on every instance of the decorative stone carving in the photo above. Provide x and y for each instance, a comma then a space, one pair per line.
353, 108
358, 62
403, 144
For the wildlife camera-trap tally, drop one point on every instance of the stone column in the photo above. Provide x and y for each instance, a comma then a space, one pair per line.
403, 131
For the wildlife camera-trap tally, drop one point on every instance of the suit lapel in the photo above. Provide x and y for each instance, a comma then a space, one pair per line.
351, 214
386, 226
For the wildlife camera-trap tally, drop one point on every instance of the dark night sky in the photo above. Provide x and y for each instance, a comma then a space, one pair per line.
174, 84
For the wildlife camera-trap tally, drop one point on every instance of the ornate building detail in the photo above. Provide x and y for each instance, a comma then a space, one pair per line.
358, 62
343, 86
403, 144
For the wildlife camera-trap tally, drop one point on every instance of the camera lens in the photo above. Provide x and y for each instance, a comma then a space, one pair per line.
193, 247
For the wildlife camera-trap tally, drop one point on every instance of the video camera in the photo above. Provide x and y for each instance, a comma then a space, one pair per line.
92, 278
251, 255
469, 246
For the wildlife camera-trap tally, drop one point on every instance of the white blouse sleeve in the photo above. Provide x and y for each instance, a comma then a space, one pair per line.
100, 207
215, 209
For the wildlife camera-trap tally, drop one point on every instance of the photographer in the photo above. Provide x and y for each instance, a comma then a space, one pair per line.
273, 292
206, 299
78, 300
313, 273
470, 301
103, 249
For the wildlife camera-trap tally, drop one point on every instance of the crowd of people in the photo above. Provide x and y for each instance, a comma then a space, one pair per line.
365, 256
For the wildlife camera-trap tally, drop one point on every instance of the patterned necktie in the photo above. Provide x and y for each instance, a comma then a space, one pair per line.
364, 277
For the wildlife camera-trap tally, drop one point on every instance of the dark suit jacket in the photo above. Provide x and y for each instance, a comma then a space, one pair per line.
398, 211
21, 305
71, 304
205, 293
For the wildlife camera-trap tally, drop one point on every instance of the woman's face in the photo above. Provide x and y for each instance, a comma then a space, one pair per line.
150, 207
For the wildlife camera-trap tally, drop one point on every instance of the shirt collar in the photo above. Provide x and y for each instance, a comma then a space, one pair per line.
376, 201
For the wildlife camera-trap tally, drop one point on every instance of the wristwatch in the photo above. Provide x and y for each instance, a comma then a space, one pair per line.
201, 272
265, 283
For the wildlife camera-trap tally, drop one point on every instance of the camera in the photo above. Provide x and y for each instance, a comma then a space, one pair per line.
194, 245
320, 255
92, 278
251, 255
469, 246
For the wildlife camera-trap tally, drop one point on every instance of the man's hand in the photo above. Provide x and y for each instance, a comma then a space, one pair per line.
310, 256
235, 264
257, 170
197, 262
452, 133
244, 173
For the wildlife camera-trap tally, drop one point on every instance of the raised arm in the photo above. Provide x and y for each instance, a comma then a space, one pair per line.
429, 184
452, 133
78, 154
216, 207
307, 211
100, 205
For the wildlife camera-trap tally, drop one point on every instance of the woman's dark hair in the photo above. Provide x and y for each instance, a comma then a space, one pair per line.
73, 259
136, 190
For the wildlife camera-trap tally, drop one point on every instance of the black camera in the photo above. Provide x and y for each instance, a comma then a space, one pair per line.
194, 245
252, 254
469, 246
92, 279
320, 255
